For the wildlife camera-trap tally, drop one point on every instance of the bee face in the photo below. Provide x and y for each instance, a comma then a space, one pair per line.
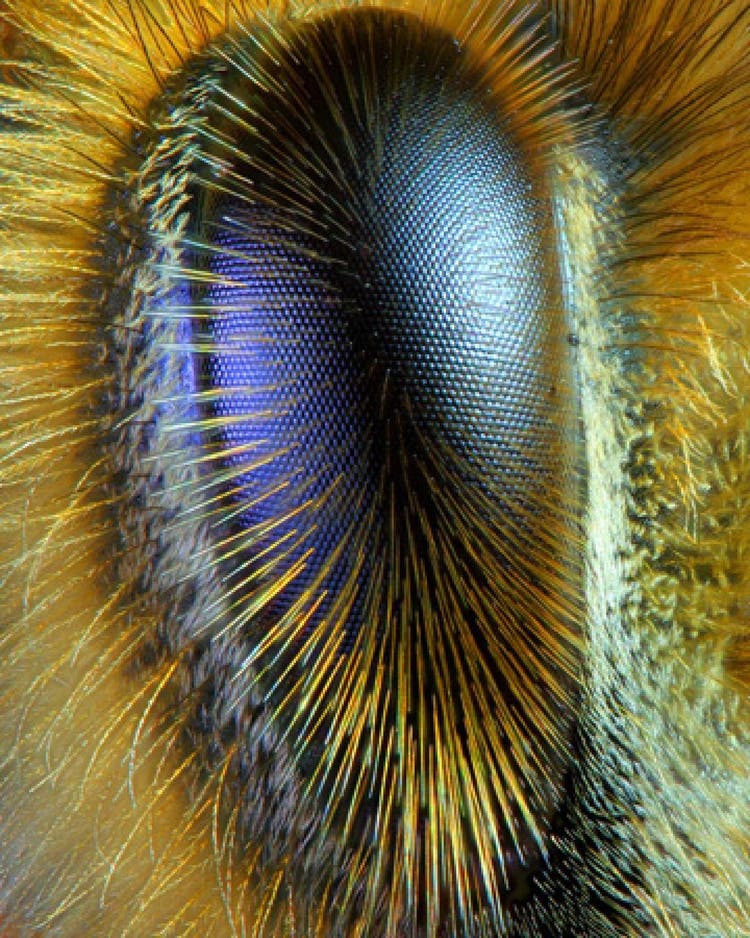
373, 433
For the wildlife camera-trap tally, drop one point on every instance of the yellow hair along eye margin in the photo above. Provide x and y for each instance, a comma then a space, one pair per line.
373, 424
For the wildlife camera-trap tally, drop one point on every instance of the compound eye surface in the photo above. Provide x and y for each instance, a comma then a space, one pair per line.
384, 336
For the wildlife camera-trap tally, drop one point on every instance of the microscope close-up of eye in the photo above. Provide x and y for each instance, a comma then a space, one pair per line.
374, 432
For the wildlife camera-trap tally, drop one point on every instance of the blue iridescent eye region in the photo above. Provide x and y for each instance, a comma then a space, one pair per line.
292, 419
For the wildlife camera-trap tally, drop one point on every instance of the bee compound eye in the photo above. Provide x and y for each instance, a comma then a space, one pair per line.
372, 422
